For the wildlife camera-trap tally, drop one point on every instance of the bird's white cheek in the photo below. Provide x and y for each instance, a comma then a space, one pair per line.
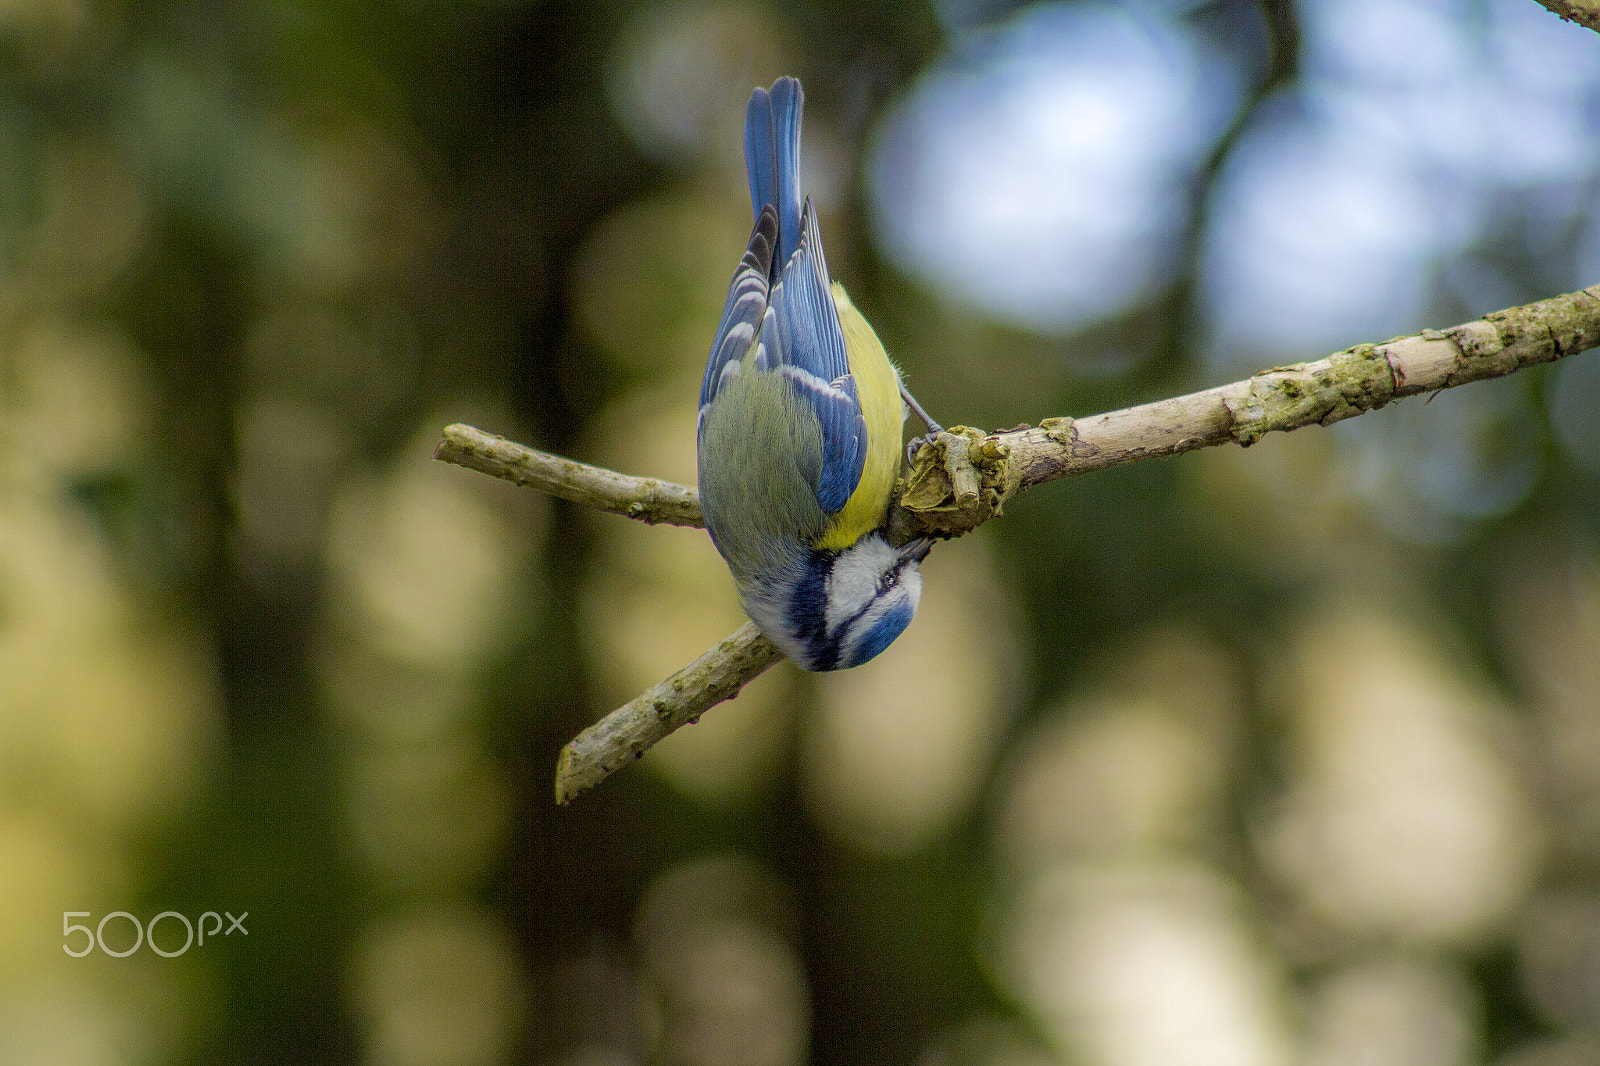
849, 591
855, 578
880, 624
836, 611
911, 581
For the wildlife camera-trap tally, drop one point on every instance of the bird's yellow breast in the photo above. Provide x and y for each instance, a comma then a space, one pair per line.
878, 389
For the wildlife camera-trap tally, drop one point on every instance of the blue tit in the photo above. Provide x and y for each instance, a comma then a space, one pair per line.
800, 428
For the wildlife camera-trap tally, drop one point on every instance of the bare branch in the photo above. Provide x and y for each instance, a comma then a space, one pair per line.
645, 498
625, 733
1329, 390
965, 477
1583, 12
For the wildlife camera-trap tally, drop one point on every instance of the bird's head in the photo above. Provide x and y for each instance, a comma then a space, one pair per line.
841, 608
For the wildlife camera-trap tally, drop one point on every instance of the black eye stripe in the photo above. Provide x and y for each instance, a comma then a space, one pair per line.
807, 615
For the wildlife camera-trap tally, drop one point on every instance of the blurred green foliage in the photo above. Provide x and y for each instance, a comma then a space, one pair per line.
1233, 755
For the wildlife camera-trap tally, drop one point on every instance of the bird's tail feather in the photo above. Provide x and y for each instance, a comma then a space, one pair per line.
772, 157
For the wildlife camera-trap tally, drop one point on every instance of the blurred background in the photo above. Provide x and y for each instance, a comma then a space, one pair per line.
1250, 758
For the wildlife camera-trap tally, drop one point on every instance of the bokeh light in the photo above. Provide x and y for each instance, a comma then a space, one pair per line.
1393, 1011
1142, 765
679, 74
1414, 126
443, 987
729, 988
1548, 609
1038, 172
1402, 817
1130, 963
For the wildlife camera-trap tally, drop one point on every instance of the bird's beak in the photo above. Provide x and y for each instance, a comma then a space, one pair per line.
916, 550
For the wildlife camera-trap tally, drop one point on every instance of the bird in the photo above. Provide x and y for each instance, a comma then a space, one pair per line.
799, 430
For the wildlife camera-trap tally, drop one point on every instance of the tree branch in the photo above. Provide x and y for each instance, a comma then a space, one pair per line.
965, 477
644, 498
1348, 383
1583, 12
625, 733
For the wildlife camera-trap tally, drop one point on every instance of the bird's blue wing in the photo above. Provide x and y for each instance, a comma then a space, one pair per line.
805, 343
745, 310
780, 301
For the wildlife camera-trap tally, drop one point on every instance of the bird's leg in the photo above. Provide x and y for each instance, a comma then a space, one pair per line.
934, 429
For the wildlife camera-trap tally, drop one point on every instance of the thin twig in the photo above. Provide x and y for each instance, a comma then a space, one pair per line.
1584, 12
937, 495
625, 733
645, 498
